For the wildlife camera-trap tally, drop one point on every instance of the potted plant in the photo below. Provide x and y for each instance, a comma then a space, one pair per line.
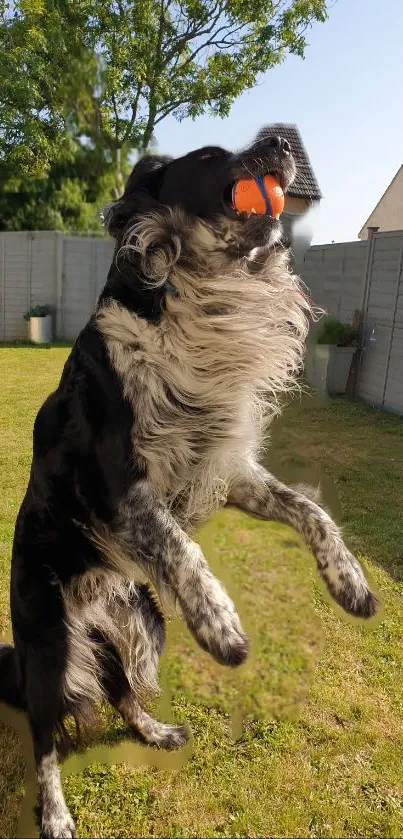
329, 364
40, 324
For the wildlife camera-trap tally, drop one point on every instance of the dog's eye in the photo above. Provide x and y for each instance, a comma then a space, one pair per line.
206, 153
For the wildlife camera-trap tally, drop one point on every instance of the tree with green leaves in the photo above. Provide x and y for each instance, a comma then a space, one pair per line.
67, 198
41, 71
108, 72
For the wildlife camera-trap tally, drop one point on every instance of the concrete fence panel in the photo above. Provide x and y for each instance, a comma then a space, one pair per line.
69, 272
366, 276
381, 378
28, 277
86, 263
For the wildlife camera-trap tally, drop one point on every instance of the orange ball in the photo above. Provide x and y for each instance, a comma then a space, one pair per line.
263, 196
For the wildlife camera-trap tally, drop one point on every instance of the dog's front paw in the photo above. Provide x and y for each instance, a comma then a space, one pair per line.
225, 641
57, 824
228, 644
210, 614
347, 585
218, 630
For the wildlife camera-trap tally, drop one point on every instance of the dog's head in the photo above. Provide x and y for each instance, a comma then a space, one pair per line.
196, 190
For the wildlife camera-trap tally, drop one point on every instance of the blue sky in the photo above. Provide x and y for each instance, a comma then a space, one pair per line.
346, 98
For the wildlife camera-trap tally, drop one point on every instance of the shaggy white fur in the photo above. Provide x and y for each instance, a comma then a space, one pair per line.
204, 381
106, 602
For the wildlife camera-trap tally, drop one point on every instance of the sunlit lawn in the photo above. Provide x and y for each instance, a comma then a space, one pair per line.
321, 748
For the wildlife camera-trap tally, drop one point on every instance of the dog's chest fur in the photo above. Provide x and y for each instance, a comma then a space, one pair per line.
192, 423
196, 381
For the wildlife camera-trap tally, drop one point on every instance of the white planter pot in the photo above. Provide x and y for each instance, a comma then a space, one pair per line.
327, 367
40, 330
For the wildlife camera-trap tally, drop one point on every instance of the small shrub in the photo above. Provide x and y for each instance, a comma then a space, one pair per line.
38, 312
337, 333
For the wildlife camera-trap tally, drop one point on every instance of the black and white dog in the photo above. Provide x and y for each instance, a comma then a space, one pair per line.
157, 421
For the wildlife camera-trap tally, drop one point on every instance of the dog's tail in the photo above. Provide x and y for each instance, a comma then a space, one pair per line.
10, 690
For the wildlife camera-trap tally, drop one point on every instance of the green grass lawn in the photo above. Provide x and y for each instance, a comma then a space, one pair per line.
320, 748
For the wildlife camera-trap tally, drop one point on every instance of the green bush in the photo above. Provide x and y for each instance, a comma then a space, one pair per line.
337, 333
38, 312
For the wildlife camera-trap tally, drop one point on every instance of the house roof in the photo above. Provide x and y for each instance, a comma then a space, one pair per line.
305, 184
365, 225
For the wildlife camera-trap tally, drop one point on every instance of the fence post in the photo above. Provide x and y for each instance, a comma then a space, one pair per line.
341, 280
393, 322
59, 285
94, 272
30, 237
366, 291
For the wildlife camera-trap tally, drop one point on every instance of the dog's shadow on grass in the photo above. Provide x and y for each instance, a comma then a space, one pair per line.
107, 741
100, 745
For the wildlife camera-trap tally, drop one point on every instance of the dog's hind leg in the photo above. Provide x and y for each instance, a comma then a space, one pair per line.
43, 674
151, 731
258, 492
125, 679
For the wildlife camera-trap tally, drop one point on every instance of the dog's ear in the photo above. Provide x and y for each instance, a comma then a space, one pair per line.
141, 194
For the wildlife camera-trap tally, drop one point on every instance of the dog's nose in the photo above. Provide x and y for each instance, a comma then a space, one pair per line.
281, 146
